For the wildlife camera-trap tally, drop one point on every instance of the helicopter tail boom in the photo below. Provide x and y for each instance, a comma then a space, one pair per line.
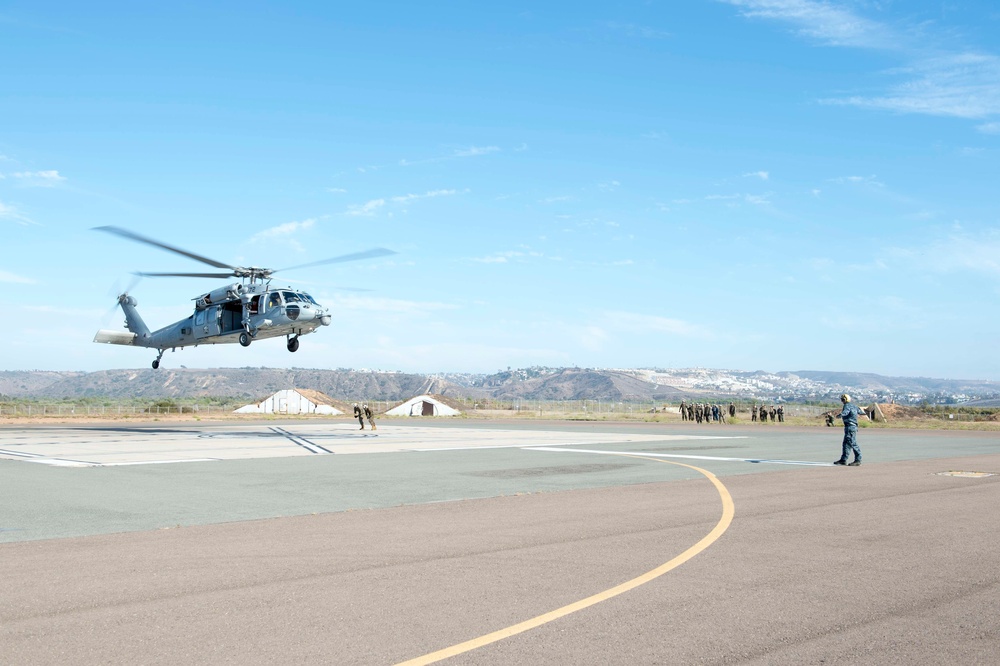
133, 321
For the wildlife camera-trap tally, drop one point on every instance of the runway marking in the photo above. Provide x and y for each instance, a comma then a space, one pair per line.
542, 448
21, 454
728, 511
685, 456
156, 462
302, 441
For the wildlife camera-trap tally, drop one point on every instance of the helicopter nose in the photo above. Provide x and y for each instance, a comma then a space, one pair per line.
325, 319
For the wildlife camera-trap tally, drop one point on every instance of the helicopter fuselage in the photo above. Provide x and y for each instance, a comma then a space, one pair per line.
238, 313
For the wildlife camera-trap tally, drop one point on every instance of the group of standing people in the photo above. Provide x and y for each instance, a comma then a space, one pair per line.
706, 413
776, 413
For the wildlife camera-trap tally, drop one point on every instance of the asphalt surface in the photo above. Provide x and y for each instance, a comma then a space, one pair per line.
382, 557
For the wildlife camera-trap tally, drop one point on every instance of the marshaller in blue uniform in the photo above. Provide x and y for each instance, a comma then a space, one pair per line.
850, 416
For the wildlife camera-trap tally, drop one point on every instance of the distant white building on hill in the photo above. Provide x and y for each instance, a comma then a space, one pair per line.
293, 401
423, 405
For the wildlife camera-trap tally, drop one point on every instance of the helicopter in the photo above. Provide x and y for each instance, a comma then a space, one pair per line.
242, 312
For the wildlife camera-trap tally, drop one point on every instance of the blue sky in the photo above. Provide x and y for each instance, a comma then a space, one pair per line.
743, 184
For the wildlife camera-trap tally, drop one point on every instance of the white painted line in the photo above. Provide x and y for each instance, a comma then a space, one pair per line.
20, 454
623, 440
691, 457
156, 462
56, 462
482, 448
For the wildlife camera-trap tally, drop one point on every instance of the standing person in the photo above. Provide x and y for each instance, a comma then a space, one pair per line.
715, 412
370, 416
850, 417
774, 413
684, 411
753, 413
359, 415
781, 413
732, 409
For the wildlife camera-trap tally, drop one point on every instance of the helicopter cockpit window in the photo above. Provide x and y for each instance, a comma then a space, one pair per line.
199, 318
275, 300
291, 297
307, 298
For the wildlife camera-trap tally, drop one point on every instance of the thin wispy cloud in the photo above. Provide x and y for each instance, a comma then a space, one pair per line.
956, 81
962, 85
285, 233
869, 181
283, 230
371, 207
632, 322
49, 178
11, 278
8, 212
458, 153
366, 209
758, 199
989, 128
511, 256
475, 151
824, 21
958, 252
763, 175
407, 198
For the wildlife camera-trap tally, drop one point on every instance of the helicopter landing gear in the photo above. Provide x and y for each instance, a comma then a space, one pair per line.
156, 361
293, 344
245, 339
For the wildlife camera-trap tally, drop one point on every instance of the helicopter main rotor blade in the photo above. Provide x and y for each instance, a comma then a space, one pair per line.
197, 275
131, 235
356, 256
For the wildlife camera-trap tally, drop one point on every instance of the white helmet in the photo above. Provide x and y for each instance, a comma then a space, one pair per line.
845, 398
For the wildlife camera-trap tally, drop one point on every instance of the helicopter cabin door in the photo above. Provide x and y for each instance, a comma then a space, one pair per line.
206, 322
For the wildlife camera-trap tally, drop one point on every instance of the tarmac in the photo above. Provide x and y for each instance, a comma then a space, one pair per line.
541, 542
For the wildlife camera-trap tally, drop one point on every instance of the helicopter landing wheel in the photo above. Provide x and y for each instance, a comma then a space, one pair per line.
245, 339
293, 344
156, 363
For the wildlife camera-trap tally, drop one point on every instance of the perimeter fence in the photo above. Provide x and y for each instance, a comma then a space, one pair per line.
505, 407
597, 408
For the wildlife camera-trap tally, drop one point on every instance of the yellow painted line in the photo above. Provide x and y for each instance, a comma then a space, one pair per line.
728, 511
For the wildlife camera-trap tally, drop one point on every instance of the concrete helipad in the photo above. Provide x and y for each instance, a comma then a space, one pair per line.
497, 543
117, 445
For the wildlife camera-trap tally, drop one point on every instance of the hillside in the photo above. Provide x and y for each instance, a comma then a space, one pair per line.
632, 385
241, 383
